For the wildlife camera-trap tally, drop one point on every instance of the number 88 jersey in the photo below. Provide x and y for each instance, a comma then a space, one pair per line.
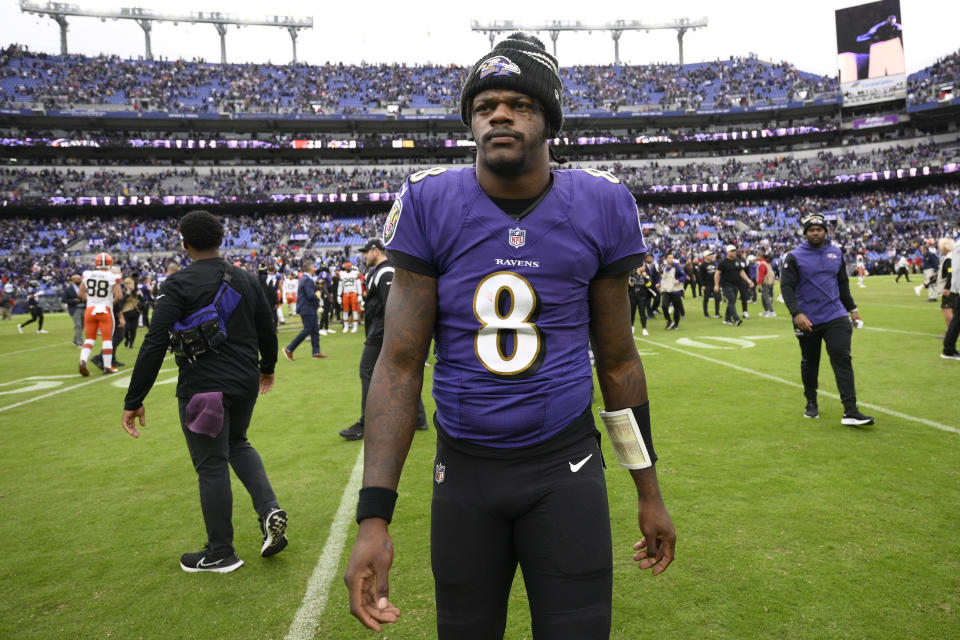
99, 286
511, 334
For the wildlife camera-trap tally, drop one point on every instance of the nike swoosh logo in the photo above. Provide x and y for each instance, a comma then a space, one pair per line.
576, 467
202, 563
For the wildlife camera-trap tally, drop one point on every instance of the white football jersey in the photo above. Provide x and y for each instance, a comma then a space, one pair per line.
290, 286
349, 282
99, 286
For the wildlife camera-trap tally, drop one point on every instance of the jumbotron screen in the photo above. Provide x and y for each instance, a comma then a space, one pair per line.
870, 52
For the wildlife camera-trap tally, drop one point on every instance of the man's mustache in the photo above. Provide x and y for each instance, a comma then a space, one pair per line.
498, 133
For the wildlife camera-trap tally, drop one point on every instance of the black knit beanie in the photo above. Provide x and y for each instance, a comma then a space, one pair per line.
812, 220
519, 62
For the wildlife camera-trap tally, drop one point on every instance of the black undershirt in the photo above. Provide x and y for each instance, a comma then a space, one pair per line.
520, 208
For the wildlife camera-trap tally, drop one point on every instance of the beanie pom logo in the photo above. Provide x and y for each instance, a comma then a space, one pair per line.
497, 66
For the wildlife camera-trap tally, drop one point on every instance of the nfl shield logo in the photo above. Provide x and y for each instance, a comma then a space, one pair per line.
518, 237
440, 473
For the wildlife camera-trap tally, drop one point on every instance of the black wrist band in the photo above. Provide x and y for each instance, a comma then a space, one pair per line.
642, 415
376, 502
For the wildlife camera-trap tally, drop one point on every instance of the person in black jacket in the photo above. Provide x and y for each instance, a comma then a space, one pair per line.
379, 278
707, 268
75, 307
216, 391
36, 314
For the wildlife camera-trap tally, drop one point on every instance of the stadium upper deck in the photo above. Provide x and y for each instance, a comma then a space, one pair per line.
198, 89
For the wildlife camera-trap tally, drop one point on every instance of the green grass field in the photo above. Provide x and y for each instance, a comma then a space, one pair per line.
788, 528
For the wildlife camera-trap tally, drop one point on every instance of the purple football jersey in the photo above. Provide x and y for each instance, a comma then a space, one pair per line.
511, 333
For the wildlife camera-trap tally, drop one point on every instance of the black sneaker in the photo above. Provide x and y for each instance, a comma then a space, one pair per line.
738, 322
203, 561
668, 326
274, 528
422, 427
98, 361
117, 363
353, 433
811, 411
950, 356
855, 418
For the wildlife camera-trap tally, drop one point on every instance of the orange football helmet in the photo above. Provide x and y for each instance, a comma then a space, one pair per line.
103, 260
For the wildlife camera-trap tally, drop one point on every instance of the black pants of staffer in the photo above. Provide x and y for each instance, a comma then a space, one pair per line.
709, 293
836, 335
730, 294
543, 507
674, 298
367, 361
953, 332
213, 458
36, 315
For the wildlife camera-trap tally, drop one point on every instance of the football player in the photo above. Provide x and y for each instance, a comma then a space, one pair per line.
349, 298
509, 265
100, 287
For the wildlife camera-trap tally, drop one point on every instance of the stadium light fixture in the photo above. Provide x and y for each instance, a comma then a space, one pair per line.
615, 28
58, 11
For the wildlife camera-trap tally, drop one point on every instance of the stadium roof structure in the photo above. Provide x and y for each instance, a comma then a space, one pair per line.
616, 29
59, 11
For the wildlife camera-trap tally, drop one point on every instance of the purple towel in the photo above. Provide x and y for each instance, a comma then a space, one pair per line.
205, 413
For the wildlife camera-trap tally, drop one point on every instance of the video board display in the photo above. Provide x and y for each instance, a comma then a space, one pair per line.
870, 53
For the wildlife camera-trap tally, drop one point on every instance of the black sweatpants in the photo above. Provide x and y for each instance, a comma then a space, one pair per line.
836, 334
953, 331
212, 459
368, 358
542, 506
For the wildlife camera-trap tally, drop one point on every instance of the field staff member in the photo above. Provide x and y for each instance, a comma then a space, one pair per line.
727, 277
816, 290
379, 278
510, 266
216, 392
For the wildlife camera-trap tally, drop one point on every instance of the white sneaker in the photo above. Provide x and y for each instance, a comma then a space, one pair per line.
331, 330
645, 332
323, 332
42, 331
746, 315
20, 328
917, 289
772, 314
353, 329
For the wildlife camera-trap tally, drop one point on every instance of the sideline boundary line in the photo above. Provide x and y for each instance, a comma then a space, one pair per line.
318, 588
890, 412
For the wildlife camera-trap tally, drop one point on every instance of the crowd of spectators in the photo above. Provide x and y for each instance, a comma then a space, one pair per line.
259, 184
40, 254
181, 86
926, 85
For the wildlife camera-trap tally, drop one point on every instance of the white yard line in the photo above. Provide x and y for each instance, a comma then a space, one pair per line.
318, 588
890, 412
909, 333
46, 346
63, 389
53, 393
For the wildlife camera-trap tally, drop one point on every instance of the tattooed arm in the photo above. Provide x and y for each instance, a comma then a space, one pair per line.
390, 419
624, 385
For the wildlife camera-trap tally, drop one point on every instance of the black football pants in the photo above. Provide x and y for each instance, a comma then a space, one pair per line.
836, 334
543, 507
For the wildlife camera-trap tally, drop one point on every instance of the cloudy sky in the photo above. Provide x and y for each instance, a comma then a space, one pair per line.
439, 32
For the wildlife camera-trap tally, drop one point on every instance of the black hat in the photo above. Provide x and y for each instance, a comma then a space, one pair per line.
813, 219
373, 243
519, 62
